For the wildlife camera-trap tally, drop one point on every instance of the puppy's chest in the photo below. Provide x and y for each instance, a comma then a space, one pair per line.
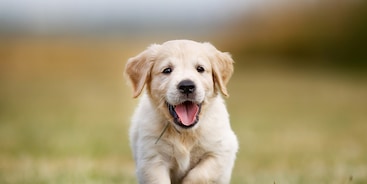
186, 157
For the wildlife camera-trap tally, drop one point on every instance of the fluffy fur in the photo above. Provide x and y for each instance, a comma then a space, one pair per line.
203, 153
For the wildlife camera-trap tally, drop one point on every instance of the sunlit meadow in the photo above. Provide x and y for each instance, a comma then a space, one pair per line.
65, 111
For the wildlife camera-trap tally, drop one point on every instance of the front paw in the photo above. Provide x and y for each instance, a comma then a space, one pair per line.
198, 178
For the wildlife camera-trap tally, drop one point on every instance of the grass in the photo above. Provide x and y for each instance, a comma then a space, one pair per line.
299, 126
65, 109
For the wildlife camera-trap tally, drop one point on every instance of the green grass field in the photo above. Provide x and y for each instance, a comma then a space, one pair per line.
64, 118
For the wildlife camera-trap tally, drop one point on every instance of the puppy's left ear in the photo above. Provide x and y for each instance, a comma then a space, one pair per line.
222, 66
138, 69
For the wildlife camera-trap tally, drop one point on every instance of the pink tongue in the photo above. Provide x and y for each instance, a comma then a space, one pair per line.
187, 112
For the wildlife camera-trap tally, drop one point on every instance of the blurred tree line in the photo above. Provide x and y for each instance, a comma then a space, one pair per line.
325, 33
309, 33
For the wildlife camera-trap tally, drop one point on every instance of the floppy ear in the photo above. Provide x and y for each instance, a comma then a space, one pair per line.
222, 70
138, 69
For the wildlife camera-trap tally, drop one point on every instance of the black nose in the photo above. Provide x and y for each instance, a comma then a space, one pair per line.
186, 86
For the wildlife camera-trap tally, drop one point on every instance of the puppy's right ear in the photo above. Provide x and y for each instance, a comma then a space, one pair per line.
138, 69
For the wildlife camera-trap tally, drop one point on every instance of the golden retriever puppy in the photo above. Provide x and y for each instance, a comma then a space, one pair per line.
180, 131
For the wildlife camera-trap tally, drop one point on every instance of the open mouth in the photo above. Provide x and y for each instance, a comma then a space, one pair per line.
185, 114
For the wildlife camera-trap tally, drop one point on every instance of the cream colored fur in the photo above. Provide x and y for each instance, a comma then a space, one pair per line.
204, 153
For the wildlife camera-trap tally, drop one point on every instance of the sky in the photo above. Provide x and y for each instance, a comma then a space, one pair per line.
52, 16
49, 15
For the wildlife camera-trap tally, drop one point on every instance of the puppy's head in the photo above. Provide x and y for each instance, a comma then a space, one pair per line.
181, 77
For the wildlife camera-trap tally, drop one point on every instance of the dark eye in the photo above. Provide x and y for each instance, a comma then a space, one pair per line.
200, 69
167, 70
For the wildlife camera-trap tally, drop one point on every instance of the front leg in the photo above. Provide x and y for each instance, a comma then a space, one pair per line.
210, 169
153, 172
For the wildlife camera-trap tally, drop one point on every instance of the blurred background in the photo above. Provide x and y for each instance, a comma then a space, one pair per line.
298, 96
